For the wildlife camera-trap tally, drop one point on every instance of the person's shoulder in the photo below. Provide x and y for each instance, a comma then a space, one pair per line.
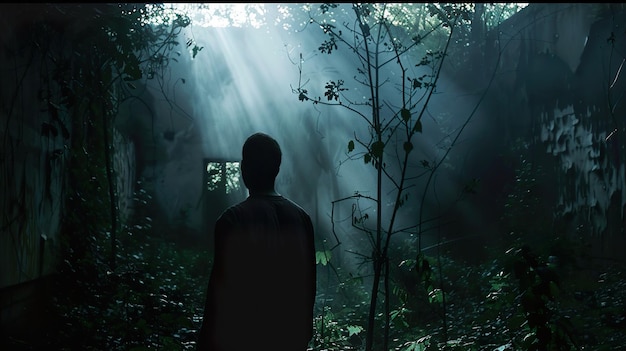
232, 211
295, 205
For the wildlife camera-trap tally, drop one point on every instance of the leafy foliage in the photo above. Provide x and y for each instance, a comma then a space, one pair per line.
527, 294
377, 42
152, 300
91, 58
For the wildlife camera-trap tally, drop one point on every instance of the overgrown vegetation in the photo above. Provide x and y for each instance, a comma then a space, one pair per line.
378, 39
89, 58
152, 300
120, 287
413, 288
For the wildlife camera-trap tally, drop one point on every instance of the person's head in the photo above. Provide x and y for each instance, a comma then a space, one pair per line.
261, 157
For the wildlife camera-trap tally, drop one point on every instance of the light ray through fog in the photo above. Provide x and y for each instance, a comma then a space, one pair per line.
241, 82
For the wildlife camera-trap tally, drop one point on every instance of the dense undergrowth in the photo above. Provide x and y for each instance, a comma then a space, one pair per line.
521, 300
549, 297
545, 293
536, 288
153, 299
524, 294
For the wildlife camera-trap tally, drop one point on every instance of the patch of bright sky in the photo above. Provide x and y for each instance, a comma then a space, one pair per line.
223, 14
227, 15
243, 14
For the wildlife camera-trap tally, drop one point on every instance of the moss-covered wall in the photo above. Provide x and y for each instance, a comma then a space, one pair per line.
560, 86
34, 166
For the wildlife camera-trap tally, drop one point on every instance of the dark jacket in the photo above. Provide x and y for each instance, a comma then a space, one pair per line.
263, 282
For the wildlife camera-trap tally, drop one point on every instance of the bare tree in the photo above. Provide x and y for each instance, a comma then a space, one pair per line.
377, 43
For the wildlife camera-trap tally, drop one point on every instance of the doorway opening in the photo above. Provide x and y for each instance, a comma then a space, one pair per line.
222, 187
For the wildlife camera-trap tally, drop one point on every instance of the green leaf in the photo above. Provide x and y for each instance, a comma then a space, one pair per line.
354, 329
196, 49
408, 146
418, 126
420, 344
554, 289
139, 348
435, 295
377, 148
406, 114
350, 145
322, 257
367, 158
416, 84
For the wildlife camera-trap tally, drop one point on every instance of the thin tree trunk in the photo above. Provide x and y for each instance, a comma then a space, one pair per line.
387, 304
111, 184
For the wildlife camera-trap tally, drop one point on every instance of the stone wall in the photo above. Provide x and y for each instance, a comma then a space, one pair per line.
559, 86
34, 156
33, 181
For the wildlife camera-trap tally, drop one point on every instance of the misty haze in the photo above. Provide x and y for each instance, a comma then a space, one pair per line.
462, 165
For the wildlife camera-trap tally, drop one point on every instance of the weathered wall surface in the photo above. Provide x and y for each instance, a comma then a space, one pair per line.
560, 85
32, 181
169, 162
34, 172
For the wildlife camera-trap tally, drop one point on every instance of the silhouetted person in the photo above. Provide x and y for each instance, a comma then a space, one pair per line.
262, 286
